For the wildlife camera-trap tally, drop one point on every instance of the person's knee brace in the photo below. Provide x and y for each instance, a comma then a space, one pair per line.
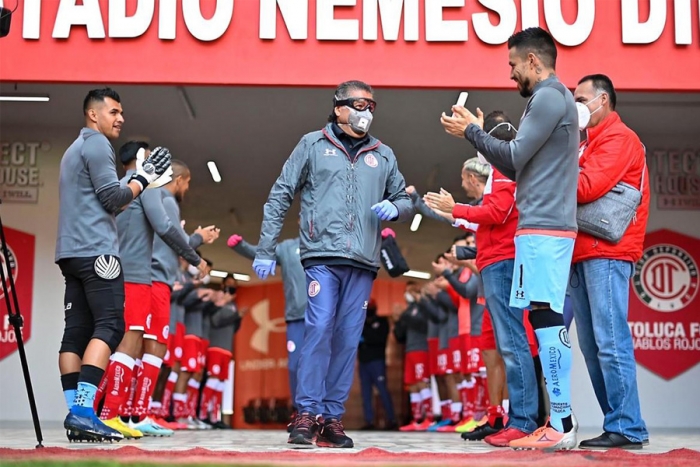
547, 318
110, 332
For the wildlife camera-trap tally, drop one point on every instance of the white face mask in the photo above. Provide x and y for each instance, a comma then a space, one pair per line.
584, 113
480, 156
408, 297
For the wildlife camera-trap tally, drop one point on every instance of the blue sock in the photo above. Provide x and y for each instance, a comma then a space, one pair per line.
555, 356
69, 394
84, 399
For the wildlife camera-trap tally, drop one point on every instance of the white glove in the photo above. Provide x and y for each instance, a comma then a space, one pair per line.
149, 170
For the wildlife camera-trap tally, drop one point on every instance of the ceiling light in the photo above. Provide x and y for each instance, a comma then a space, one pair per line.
215, 273
214, 171
241, 277
18, 98
418, 275
223, 274
416, 222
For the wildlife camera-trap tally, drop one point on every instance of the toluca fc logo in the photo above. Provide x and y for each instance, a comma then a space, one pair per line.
8, 269
666, 278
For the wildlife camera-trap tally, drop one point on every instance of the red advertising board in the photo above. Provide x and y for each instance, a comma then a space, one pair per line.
642, 45
21, 266
664, 314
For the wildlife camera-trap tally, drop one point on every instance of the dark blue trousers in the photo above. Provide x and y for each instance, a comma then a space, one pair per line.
295, 341
335, 316
374, 374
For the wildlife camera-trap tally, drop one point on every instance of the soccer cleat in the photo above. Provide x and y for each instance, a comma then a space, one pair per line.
166, 424
503, 438
117, 424
332, 435
435, 426
547, 439
305, 429
87, 427
150, 428
201, 425
221, 426
482, 431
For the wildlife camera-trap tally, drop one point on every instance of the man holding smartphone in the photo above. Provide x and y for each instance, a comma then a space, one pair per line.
545, 149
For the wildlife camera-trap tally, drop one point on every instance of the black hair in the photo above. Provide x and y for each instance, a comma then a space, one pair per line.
536, 41
128, 151
343, 92
462, 236
504, 132
99, 95
602, 83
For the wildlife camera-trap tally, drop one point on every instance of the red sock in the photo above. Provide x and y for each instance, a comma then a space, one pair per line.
126, 409
192, 397
168, 394
481, 402
118, 385
446, 409
145, 385
216, 404
495, 412
179, 405
427, 404
102, 387
208, 394
416, 407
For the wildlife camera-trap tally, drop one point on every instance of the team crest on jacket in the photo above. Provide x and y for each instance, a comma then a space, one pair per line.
371, 161
314, 288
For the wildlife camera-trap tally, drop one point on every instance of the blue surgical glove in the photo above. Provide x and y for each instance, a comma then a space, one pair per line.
386, 210
264, 267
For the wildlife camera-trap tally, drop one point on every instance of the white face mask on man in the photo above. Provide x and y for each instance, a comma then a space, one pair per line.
584, 113
409, 298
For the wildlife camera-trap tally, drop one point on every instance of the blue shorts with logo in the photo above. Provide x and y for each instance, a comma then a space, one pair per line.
541, 273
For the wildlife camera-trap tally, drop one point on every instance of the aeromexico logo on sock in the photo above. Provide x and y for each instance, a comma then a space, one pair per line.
118, 379
663, 304
20, 267
554, 367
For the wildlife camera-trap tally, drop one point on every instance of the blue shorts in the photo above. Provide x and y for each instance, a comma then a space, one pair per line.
541, 271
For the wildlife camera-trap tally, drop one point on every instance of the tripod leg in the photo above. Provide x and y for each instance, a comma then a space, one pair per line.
15, 319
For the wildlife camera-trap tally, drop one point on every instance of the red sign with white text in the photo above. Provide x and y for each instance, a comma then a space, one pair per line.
664, 314
21, 266
642, 45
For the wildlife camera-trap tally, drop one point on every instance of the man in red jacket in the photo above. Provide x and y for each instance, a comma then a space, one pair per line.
601, 271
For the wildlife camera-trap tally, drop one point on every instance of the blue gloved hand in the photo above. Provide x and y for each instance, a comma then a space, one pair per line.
386, 210
264, 267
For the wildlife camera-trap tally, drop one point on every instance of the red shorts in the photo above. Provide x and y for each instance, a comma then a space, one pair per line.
203, 347
190, 354
158, 326
433, 346
176, 342
416, 369
137, 306
217, 363
472, 356
487, 340
455, 349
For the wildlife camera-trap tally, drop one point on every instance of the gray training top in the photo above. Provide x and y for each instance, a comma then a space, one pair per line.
165, 264
136, 225
293, 275
542, 159
86, 227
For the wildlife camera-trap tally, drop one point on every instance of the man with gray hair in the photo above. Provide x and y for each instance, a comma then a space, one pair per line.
348, 182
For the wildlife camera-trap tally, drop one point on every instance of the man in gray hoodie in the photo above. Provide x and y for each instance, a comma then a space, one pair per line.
543, 160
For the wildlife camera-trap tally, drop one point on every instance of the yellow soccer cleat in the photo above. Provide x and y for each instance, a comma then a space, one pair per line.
117, 424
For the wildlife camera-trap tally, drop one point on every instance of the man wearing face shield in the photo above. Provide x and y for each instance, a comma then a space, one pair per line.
542, 159
601, 271
348, 182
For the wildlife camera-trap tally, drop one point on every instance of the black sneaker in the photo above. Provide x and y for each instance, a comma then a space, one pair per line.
332, 435
483, 431
304, 430
292, 421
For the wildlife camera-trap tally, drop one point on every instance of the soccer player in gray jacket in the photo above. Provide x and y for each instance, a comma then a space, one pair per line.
543, 160
294, 283
145, 325
87, 252
349, 182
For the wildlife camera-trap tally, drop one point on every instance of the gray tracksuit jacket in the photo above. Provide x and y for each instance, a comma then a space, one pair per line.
337, 193
542, 159
287, 254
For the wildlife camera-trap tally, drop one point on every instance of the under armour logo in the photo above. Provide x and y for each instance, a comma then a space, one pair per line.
260, 340
330, 152
520, 294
